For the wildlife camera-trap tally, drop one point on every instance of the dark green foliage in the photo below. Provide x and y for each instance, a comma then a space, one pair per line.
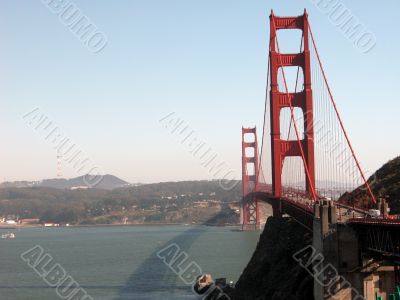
384, 183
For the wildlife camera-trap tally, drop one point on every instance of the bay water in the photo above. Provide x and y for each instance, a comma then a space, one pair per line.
118, 263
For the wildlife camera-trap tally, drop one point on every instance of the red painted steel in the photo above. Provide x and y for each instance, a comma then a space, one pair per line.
375, 221
279, 100
250, 207
297, 205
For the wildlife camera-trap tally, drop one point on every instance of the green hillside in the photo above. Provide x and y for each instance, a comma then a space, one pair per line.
169, 202
385, 182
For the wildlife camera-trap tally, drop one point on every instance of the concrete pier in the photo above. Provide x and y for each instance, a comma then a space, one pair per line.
341, 270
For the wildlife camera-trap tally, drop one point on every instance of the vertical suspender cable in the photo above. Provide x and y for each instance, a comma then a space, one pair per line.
265, 118
340, 120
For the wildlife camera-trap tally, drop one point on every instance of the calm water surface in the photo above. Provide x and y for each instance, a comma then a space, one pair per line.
117, 263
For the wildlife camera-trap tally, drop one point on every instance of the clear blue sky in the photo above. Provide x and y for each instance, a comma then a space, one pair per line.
205, 60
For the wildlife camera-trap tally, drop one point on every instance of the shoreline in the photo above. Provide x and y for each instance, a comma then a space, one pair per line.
8, 227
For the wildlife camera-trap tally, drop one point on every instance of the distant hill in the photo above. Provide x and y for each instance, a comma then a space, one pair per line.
108, 182
385, 182
169, 202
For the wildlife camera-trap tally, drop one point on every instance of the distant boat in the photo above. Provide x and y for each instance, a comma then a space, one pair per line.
8, 235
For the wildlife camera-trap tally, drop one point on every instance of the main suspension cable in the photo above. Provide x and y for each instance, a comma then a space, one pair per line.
340, 120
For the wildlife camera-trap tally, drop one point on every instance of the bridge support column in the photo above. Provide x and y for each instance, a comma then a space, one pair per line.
250, 207
277, 209
325, 262
282, 147
341, 270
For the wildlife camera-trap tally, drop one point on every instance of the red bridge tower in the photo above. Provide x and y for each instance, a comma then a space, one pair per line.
250, 209
282, 98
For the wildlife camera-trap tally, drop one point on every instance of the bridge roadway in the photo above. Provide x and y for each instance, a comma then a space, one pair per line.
301, 208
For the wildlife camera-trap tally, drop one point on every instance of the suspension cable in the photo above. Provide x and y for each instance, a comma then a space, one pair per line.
340, 120
264, 122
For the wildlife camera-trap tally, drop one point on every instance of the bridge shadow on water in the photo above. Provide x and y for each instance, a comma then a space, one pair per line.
157, 280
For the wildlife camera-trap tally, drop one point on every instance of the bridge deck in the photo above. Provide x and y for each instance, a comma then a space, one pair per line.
301, 208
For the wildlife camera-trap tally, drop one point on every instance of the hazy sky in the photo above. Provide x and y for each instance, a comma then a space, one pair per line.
204, 60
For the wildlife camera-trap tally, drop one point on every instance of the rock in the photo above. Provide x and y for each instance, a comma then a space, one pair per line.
272, 273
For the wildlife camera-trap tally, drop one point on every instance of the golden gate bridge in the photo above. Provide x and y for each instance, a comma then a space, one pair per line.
306, 166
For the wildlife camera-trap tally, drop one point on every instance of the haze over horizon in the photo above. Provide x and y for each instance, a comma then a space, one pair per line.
205, 61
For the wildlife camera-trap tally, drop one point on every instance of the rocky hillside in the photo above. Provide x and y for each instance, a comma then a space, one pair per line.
385, 182
272, 273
